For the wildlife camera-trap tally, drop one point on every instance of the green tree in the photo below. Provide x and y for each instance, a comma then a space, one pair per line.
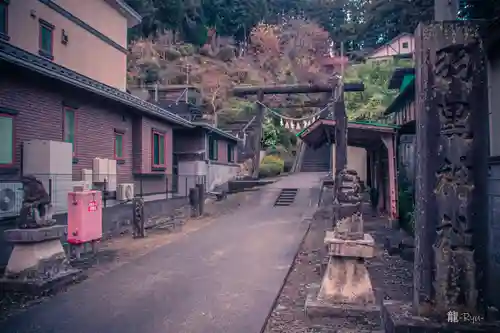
235, 18
270, 136
371, 103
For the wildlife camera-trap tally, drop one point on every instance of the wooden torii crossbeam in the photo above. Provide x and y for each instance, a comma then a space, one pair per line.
339, 109
242, 91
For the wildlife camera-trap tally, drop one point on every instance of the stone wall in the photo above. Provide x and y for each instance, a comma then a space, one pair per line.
219, 174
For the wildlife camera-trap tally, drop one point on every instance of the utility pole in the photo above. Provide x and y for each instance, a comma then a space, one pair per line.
446, 10
258, 134
188, 70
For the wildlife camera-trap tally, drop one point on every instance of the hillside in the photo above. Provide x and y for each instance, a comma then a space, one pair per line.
289, 53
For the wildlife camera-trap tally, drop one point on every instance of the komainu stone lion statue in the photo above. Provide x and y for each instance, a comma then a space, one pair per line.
37, 210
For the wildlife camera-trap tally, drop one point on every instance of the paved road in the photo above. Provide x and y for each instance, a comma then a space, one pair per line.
222, 278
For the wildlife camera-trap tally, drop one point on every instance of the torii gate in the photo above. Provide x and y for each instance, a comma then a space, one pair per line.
337, 105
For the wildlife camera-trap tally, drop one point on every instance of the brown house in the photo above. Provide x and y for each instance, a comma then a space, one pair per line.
52, 89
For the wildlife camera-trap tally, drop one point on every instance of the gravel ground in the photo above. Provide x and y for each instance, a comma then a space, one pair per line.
118, 251
391, 278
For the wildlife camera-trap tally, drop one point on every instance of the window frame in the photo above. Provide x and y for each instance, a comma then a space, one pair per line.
213, 147
407, 45
13, 158
67, 109
230, 152
49, 27
4, 35
121, 134
164, 136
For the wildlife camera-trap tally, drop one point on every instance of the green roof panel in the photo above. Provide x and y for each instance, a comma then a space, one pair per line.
409, 78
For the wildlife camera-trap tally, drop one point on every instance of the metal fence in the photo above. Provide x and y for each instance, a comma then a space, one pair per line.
114, 190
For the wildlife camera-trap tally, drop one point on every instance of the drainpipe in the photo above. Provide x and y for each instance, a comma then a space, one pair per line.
208, 162
330, 171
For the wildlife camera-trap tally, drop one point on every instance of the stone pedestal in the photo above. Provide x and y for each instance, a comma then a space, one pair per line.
38, 262
346, 287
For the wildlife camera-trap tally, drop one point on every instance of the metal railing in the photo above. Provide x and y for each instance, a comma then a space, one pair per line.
114, 189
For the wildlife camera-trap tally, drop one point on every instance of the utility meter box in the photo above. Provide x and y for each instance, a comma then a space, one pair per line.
84, 216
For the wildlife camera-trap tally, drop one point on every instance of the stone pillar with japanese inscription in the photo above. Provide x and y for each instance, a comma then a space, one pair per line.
451, 193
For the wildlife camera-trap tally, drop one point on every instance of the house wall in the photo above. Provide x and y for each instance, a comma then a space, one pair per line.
84, 53
148, 125
407, 156
150, 181
494, 177
222, 150
356, 160
40, 116
101, 16
395, 48
191, 140
221, 171
494, 105
406, 115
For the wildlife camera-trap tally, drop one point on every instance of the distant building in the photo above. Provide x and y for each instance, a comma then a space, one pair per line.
402, 46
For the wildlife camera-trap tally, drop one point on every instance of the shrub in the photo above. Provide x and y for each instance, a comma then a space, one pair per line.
269, 170
271, 166
273, 159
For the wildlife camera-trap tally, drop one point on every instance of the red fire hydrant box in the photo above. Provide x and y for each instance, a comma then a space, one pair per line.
84, 216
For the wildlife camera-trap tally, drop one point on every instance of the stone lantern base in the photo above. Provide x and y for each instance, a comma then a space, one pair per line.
346, 287
38, 262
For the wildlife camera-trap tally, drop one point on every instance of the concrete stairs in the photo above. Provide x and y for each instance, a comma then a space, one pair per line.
316, 160
286, 197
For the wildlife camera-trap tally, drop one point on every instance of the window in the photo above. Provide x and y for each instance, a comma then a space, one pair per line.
405, 45
212, 148
69, 128
118, 146
230, 153
6, 140
46, 42
158, 149
4, 28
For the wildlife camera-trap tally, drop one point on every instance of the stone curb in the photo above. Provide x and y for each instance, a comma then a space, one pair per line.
275, 301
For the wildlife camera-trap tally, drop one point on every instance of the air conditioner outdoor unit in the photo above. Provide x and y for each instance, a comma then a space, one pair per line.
85, 185
86, 175
100, 170
11, 199
125, 192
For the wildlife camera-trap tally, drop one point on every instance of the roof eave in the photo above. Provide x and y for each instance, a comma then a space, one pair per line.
133, 17
218, 131
406, 93
398, 76
20, 57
